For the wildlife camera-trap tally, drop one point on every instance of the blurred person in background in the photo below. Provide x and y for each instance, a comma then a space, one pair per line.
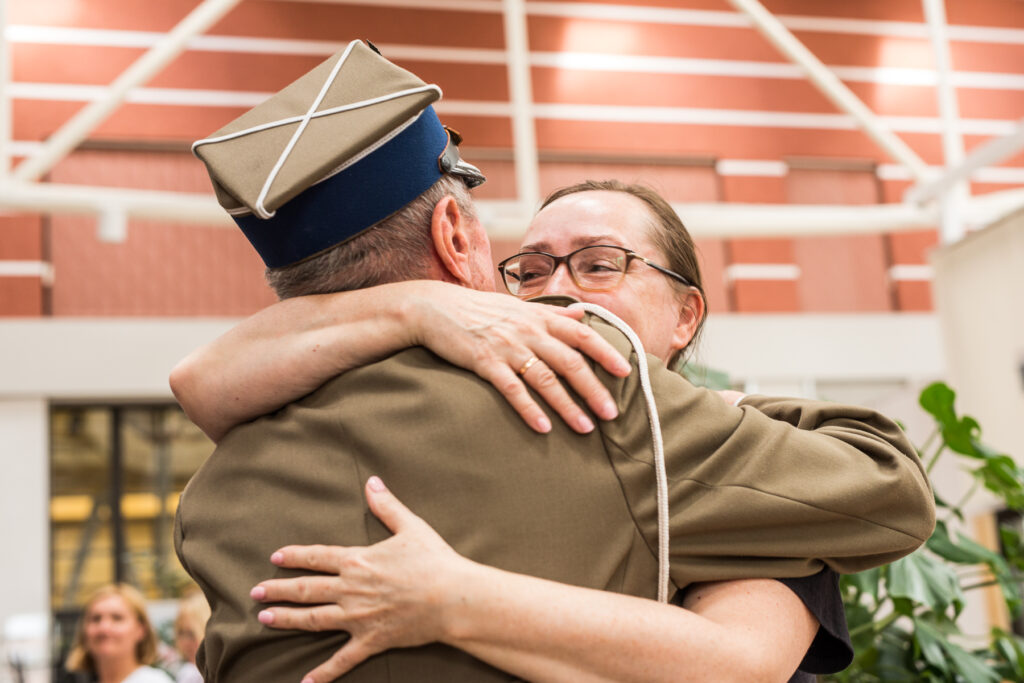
115, 642
189, 626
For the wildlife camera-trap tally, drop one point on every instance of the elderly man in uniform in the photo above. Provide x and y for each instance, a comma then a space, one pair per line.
346, 179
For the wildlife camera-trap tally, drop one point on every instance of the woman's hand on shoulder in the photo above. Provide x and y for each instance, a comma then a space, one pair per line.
514, 344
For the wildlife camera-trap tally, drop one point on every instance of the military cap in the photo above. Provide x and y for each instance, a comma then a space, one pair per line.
343, 147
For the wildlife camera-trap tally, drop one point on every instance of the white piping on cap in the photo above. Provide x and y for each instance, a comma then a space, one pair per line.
661, 477
304, 120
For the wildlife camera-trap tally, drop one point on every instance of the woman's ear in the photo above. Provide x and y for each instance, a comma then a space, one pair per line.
449, 231
691, 313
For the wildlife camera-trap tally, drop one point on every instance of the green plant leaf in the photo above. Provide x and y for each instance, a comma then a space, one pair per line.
1001, 475
970, 667
1004, 470
925, 580
937, 398
866, 582
960, 434
1009, 649
973, 547
962, 437
929, 643
1008, 581
942, 545
1005, 647
902, 606
920, 596
895, 662
943, 503
1013, 545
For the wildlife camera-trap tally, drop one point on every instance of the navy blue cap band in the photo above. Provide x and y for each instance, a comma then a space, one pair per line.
351, 201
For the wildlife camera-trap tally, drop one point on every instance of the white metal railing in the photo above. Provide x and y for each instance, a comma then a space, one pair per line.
507, 219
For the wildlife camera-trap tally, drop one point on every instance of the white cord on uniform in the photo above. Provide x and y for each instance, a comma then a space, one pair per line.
661, 477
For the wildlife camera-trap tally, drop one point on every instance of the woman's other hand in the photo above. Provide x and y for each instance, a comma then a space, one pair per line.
391, 594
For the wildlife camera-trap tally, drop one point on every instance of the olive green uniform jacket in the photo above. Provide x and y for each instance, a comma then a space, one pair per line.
774, 488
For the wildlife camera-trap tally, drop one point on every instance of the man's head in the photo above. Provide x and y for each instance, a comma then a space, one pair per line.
435, 237
347, 179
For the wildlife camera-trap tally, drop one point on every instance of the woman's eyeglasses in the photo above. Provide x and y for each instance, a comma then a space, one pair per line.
596, 268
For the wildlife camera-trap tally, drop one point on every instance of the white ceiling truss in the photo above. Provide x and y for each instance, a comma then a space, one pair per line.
938, 197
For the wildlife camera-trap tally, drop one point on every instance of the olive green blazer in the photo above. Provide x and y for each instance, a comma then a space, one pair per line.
774, 488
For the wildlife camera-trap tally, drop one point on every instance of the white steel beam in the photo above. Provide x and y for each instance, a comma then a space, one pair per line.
830, 85
517, 46
949, 110
55, 198
509, 219
504, 219
951, 226
775, 220
988, 208
78, 127
989, 153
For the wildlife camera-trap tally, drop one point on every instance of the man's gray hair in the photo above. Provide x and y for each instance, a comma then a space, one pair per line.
396, 249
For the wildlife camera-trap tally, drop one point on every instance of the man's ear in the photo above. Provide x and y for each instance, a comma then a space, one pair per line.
691, 312
450, 233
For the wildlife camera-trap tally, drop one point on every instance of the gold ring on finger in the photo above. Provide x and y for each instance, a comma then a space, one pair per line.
527, 365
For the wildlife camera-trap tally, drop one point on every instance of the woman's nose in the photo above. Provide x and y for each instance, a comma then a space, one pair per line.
561, 282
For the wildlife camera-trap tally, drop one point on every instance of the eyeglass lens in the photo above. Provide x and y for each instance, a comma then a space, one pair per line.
595, 268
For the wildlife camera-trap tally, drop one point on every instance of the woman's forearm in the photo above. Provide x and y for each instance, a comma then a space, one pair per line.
413, 589
287, 350
545, 631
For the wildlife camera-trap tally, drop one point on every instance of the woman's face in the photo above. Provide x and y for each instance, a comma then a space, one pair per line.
186, 639
646, 299
112, 630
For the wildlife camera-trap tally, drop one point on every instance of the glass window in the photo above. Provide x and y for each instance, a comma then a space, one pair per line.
116, 475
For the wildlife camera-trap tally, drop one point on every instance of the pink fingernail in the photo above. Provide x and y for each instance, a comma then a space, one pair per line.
266, 617
258, 593
307, 679
609, 410
543, 424
585, 424
376, 484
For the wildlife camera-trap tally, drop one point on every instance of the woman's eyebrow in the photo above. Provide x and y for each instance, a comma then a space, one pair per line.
583, 241
577, 242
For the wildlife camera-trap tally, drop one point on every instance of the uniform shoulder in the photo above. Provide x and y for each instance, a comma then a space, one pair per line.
608, 331
611, 334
